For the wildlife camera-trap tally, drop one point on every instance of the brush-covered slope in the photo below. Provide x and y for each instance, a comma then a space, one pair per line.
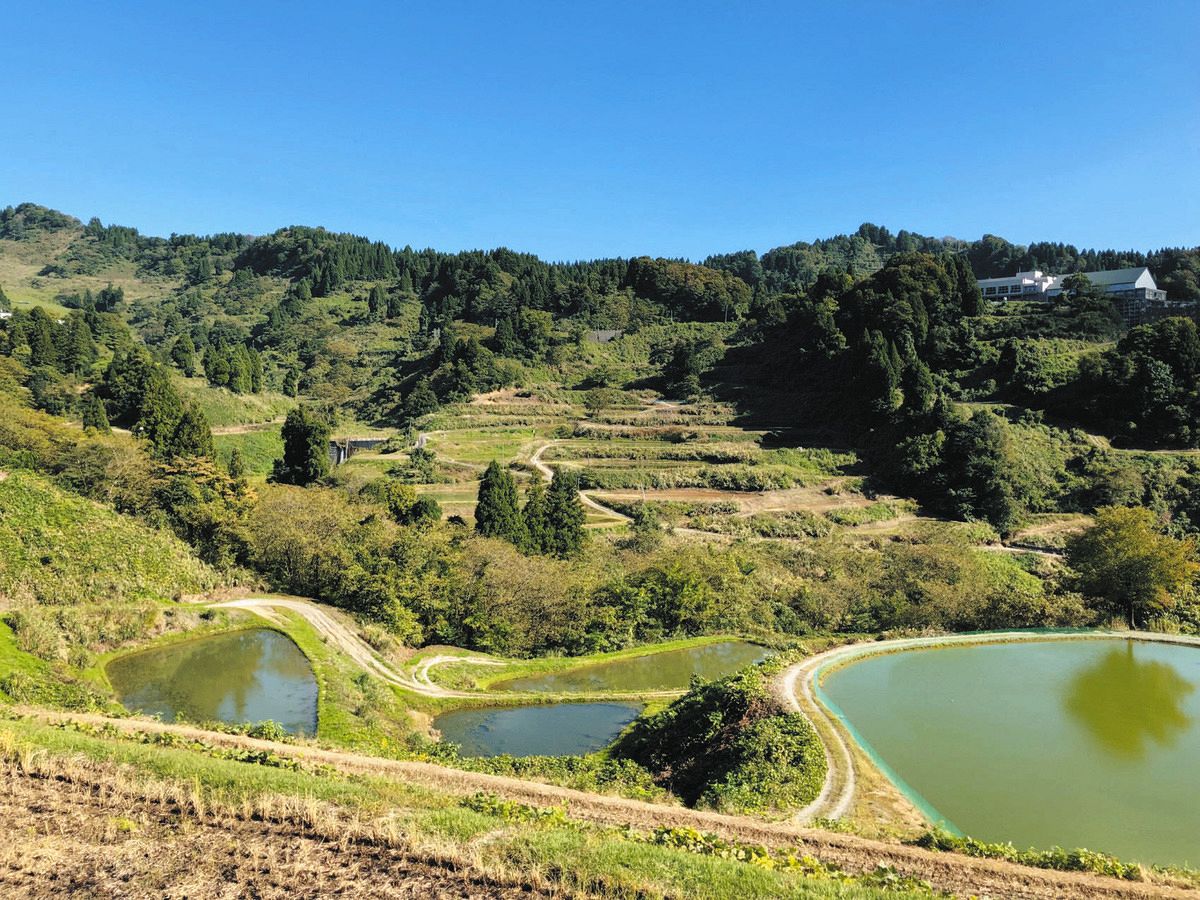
58, 548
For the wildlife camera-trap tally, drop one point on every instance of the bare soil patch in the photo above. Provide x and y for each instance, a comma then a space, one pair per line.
71, 839
952, 873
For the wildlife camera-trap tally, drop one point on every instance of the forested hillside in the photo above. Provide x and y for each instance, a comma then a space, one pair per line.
788, 409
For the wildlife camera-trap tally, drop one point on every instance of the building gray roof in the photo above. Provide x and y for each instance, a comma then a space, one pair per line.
1115, 276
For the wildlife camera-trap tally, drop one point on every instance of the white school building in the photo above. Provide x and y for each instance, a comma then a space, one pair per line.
1129, 284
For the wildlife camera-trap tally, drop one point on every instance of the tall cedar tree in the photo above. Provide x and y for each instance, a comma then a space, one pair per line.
497, 513
377, 304
536, 519
94, 417
193, 436
183, 354
421, 401
305, 448
564, 515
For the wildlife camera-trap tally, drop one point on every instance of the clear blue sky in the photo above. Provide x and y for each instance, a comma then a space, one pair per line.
577, 130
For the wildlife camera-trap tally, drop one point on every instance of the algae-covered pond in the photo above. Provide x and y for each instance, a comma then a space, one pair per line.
245, 676
669, 670
559, 729
1075, 743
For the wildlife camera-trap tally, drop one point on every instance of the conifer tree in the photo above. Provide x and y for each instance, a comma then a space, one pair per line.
237, 465
536, 518
5, 303
94, 417
40, 336
256, 369
564, 515
305, 448
377, 304
505, 340
193, 436
159, 413
183, 354
76, 348
421, 401
217, 366
240, 379
496, 512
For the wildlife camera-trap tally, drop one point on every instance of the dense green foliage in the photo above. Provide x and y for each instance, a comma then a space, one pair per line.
1145, 388
305, 457
729, 745
1126, 560
1055, 858
874, 341
497, 514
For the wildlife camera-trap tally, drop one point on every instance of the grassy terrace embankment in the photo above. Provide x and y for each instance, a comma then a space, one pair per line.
506, 830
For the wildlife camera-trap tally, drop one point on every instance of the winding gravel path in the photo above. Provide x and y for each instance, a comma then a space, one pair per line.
547, 473
330, 627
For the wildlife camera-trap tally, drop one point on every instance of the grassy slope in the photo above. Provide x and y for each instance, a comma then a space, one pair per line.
226, 409
20, 262
598, 860
59, 548
259, 448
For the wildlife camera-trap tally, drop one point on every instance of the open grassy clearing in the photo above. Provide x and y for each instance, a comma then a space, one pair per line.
259, 447
481, 446
50, 540
225, 409
21, 261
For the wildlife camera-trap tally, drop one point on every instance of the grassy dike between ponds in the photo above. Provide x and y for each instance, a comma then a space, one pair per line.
488, 677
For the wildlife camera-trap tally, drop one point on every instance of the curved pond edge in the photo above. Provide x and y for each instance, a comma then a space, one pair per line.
814, 669
182, 638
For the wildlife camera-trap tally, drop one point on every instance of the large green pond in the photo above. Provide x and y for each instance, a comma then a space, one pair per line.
669, 670
1075, 743
558, 729
245, 676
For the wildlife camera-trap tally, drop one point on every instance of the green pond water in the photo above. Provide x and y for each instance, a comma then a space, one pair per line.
559, 729
1083, 743
245, 676
669, 670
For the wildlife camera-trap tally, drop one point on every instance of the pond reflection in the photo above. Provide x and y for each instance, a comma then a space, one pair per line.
245, 676
1126, 703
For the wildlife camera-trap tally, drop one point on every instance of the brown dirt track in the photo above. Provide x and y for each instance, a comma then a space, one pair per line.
955, 874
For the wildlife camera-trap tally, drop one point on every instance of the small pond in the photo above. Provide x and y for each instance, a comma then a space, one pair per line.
244, 676
560, 729
1075, 743
669, 670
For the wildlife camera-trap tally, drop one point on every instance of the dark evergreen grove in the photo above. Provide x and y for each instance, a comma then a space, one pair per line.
551, 521
306, 437
497, 513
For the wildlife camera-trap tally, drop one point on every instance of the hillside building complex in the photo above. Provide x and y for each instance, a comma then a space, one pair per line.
1132, 291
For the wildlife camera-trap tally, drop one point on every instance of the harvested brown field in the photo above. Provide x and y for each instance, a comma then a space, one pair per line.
951, 873
64, 837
